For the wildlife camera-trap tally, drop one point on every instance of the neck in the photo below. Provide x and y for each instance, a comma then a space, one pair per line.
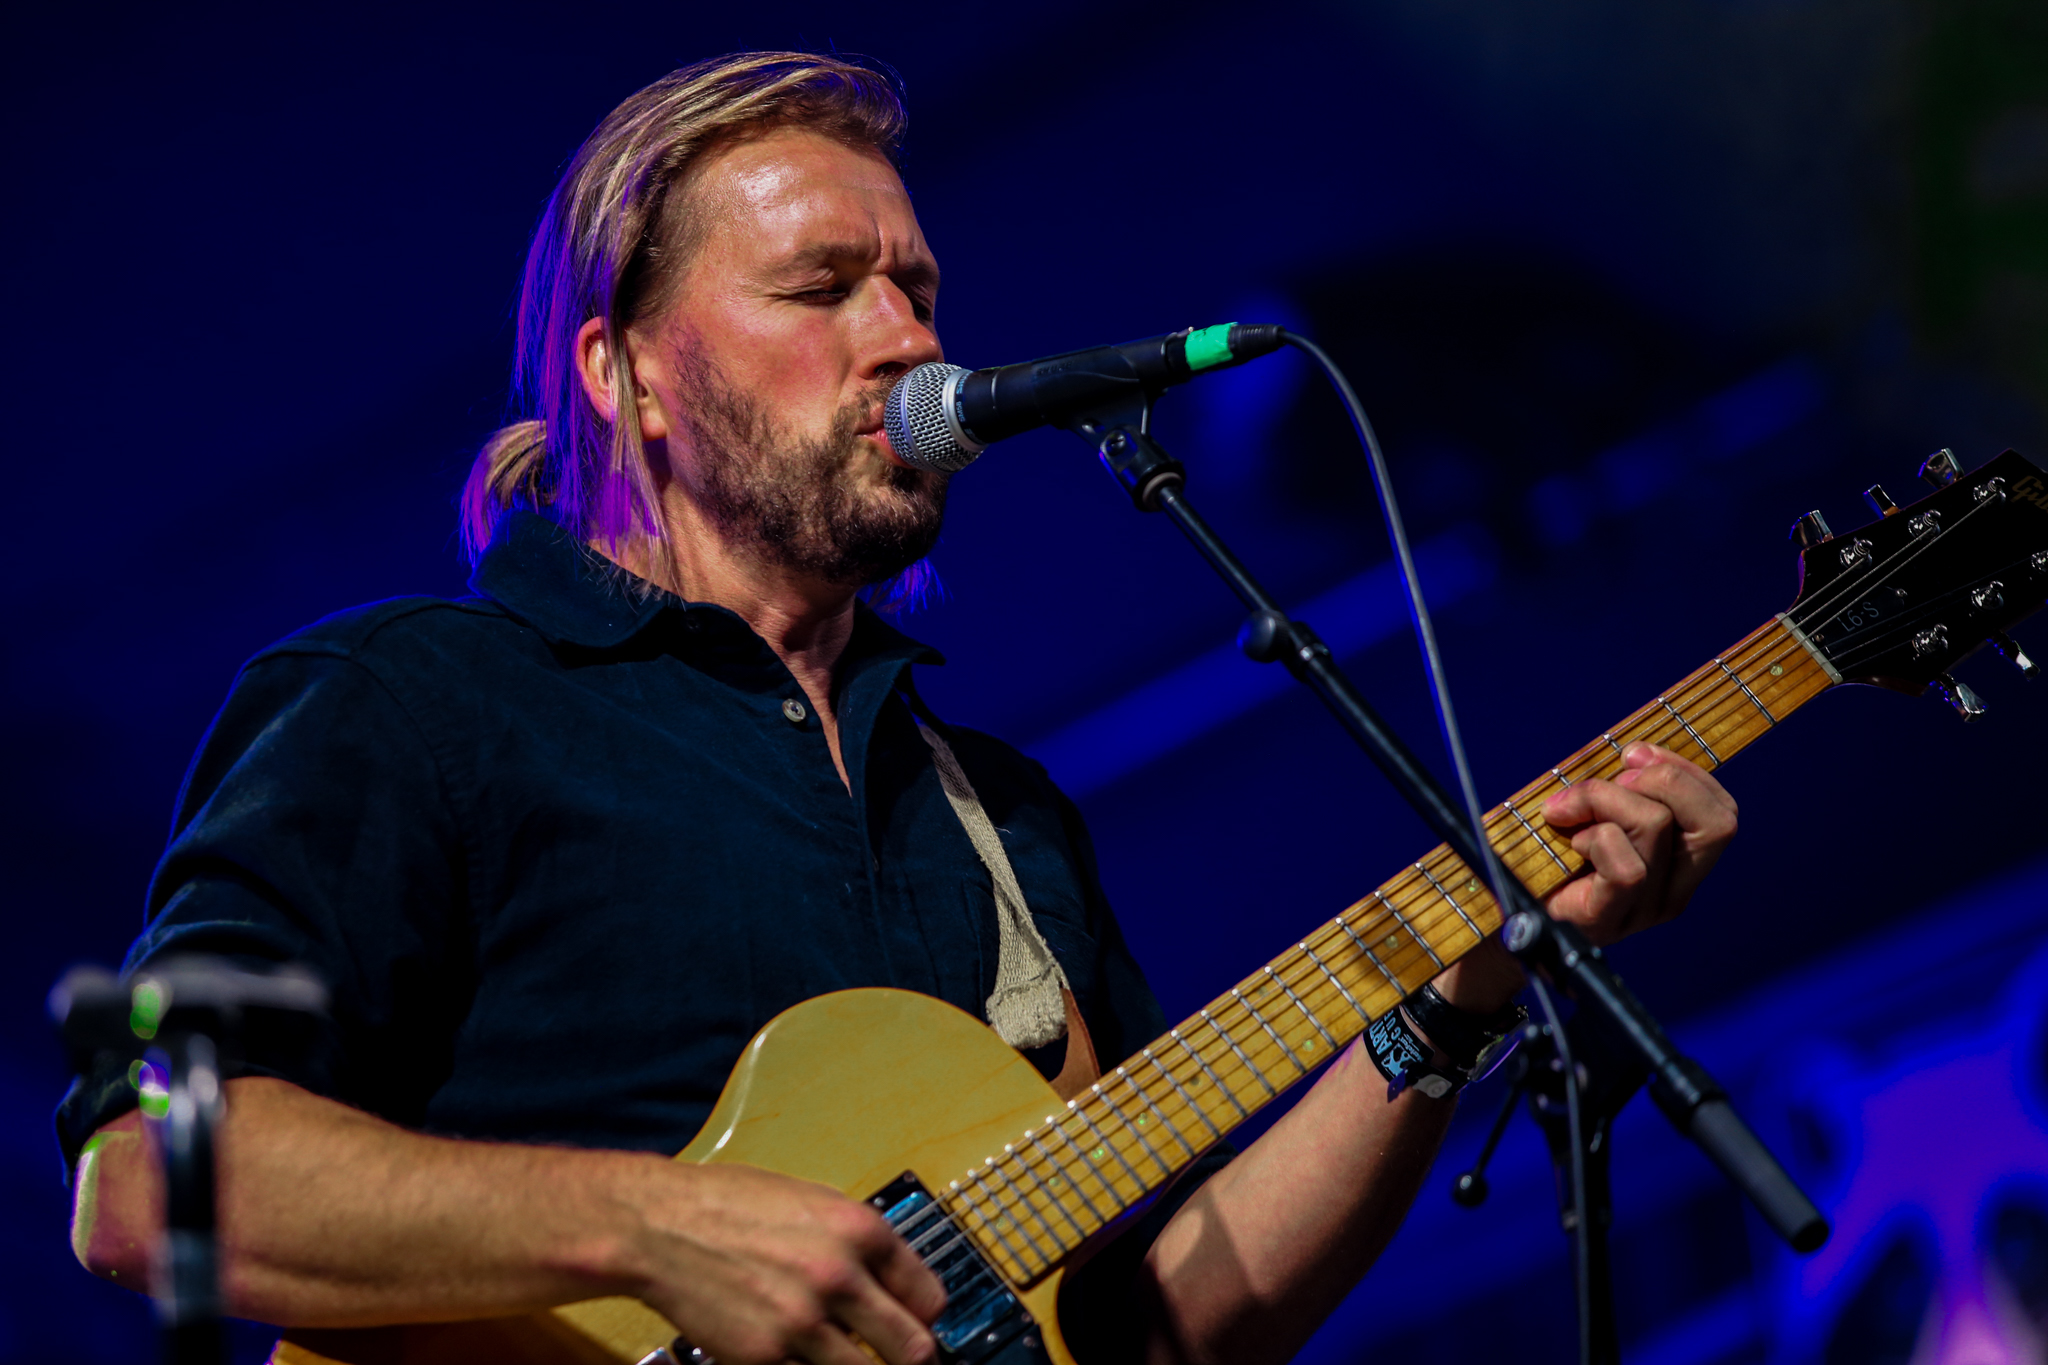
1116, 1144
806, 622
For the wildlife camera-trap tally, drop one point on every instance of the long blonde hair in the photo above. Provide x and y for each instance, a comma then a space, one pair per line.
611, 245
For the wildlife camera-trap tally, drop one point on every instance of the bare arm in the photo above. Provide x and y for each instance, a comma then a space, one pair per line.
1267, 1248
333, 1218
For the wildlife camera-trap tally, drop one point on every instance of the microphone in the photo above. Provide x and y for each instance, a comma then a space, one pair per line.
941, 416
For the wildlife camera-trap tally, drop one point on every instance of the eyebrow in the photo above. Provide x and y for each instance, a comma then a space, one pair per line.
920, 271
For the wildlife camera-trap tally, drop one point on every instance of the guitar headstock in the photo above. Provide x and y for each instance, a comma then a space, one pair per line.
1899, 602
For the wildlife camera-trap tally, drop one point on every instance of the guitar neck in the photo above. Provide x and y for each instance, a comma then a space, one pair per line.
1081, 1170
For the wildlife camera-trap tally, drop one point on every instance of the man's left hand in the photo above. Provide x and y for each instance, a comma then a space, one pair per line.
1649, 836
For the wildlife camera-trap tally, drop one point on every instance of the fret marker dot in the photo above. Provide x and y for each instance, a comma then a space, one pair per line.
1142, 1120
1392, 939
1052, 1182
1777, 670
1308, 1044
1098, 1154
1471, 884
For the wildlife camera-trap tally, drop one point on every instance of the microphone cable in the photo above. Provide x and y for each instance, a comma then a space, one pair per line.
1447, 722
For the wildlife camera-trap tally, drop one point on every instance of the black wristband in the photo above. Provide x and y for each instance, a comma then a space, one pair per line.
1403, 1058
1461, 1035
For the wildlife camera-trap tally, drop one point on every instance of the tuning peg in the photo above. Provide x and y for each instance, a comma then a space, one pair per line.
1880, 501
1958, 694
1941, 468
1810, 530
2009, 650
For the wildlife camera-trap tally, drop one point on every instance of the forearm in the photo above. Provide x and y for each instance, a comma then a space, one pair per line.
331, 1217
1273, 1242
1271, 1245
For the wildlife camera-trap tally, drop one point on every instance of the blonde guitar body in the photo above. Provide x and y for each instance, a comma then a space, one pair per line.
850, 1090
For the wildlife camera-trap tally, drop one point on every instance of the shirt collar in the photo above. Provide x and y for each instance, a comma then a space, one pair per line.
541, 574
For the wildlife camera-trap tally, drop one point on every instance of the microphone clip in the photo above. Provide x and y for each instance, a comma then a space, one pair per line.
1135, 461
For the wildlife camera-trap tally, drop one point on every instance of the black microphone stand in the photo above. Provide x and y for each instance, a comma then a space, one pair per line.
183, 1018
1689, 1097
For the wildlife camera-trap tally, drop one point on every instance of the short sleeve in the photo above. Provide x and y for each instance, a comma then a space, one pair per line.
314, 827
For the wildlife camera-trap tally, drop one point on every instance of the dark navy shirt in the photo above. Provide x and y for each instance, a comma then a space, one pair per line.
561, 848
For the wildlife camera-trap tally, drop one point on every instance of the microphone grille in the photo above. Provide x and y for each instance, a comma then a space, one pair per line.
920, 429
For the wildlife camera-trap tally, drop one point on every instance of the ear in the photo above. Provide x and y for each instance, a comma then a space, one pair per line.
595, 367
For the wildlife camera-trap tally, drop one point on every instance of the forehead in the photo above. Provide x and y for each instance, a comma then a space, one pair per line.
770, 197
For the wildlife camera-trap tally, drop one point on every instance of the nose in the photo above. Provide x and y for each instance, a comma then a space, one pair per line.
896, 339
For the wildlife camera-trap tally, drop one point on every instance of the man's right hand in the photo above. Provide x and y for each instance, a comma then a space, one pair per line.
330, 1217
758, 1268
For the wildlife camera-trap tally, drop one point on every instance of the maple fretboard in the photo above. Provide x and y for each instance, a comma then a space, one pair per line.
1033, 1204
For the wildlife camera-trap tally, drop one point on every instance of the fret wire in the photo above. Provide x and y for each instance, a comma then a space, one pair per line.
1075, 1186
998, 1233
1102, 1143
1162, 1102
1214, 1079
1164, 1169
1722, 699
1715, 710
1271, 1032
1348, 998
1371, 956
1145, 1096
1022, 1230
1086, 1165
1231, 1043
1400, 987
1186, 1098
1010, 1153
1402, 920
1700, 704
1676, 715
1308, 1014
1477, 932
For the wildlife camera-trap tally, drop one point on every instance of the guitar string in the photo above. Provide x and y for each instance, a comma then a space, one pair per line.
1841, 593
1926, 542
1288, 963
1686, 716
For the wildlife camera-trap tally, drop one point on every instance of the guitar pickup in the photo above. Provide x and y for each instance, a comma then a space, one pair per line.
984, 1320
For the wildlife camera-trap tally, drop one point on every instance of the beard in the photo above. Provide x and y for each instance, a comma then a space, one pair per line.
830, 507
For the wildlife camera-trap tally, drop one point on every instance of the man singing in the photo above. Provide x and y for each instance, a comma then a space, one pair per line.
560, 848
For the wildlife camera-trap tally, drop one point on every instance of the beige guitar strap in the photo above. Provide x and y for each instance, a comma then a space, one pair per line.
1032, 1004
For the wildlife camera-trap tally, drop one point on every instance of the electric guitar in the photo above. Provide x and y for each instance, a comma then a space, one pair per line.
996, 1182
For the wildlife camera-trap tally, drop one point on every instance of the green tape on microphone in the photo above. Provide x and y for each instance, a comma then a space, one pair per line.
1209, 347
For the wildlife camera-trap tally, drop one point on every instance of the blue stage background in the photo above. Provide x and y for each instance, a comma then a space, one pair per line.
1627, 286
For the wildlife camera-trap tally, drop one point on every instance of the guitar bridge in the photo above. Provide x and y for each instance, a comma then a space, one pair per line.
984, 1322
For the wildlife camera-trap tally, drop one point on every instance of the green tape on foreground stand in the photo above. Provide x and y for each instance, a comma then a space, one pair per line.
1209, 347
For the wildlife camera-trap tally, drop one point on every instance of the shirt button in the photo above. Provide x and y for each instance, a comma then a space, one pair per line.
794, 710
